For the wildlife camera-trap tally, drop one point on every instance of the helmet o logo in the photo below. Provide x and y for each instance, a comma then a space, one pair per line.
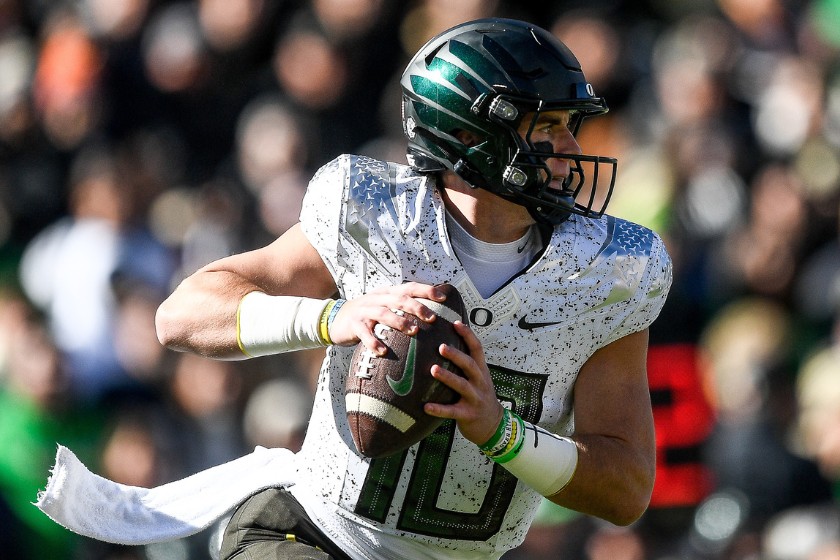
481, 316
409, 127
590, 90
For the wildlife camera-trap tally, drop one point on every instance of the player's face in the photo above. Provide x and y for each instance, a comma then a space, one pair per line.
553, 127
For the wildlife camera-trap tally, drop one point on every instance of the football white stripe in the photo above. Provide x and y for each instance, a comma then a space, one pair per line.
440, 309
358, 402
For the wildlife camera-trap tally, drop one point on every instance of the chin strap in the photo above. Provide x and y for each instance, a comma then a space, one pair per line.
552, 215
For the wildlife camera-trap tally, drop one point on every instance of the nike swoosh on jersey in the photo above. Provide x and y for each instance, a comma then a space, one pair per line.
402, 386
523, 324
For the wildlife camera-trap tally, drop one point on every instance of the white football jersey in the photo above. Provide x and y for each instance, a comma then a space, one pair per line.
377, 224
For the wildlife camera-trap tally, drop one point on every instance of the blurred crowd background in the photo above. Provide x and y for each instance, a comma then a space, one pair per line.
141, 139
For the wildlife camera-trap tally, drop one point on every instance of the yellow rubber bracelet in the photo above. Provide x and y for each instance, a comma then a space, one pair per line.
239, 329
323, 323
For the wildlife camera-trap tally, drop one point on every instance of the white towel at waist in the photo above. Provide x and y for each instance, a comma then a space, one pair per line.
96, 507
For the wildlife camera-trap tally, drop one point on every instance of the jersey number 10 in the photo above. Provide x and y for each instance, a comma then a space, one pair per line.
419, 511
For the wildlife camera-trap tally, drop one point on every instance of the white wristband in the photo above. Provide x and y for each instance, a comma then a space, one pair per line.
273, 324
546, 462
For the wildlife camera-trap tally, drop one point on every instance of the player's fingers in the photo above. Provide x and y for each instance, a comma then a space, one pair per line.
357, 321
458, 411
408, 303
376, 323
411, 295
460, 359
414, 305
401, 298
461, 411
392, 319
416, 289
441, 410
454, 381
471, 340
471, 362
372, 342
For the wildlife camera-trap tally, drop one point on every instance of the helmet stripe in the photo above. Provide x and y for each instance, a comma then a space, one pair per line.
442, 68
461, 56
431, 91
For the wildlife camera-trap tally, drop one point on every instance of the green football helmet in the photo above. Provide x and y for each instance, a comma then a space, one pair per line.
484, 77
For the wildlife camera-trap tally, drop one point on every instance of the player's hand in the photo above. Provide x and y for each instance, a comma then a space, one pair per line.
478, 412
356, 320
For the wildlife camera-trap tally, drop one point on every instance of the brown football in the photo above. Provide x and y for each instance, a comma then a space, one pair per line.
385, 394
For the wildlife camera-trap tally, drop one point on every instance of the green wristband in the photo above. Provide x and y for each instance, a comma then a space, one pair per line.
500, 431
515, 445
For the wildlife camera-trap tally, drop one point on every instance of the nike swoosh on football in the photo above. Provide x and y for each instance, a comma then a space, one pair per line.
523, 324
402, 386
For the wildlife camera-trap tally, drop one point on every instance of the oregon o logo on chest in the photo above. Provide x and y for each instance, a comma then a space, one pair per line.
481, 316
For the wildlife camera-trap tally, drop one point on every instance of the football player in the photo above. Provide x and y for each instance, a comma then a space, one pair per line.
499, 201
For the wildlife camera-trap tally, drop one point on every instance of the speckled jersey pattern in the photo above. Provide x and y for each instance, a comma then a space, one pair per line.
377, 224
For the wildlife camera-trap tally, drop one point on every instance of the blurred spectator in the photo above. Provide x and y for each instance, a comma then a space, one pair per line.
269, 142
431, 17
68, 271
789, 110
763, 21
135, 341
36, 412
131, 455
761, 255
818, 393
227, 24
281, 200
347, 20
174, 52
747, 344
803, 534
66, 84
817, 290
117, 20
216, 230
687, 64
277, 413
17, 66
556, 533
310, 69
205, 393
615, 544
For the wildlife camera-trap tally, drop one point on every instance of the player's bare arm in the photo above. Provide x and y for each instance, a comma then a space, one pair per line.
200, 315
614, 434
